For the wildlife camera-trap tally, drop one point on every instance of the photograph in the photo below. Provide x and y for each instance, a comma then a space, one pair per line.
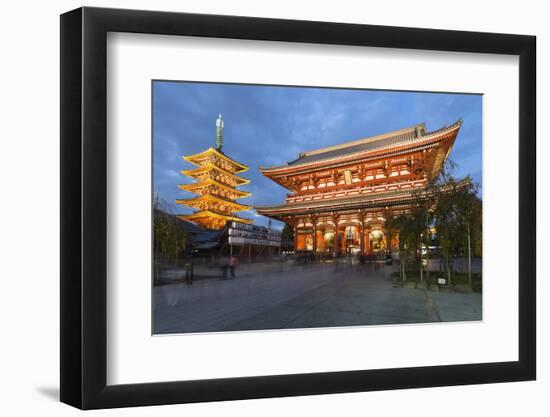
266, 209
293, 207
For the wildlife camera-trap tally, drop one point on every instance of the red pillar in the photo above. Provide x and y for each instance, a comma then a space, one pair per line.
295, 227
362, 232
387, 233
335, 247
314, 222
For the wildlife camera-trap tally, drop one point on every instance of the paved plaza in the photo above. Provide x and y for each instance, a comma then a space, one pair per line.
287, 296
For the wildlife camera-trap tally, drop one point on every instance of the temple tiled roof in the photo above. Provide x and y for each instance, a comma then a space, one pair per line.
371, 200
363, 147
362, 201
365, 144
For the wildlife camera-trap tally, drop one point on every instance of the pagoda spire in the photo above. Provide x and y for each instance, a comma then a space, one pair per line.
219, 132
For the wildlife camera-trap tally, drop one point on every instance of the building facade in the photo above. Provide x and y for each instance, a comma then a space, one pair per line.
342, 196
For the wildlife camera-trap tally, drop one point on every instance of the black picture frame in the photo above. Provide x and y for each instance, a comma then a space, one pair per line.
84, 207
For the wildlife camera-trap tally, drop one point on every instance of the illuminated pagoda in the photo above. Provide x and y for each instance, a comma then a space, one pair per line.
216, 188
342, 195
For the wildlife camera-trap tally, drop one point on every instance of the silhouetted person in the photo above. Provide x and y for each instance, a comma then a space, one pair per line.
224, 265
232, 263
189, 272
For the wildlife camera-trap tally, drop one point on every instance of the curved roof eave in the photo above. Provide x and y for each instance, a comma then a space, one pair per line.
294, 165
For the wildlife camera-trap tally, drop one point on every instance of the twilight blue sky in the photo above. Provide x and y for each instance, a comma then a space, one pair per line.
270, 125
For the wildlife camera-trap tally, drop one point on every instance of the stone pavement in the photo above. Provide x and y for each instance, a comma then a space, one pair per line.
304, 296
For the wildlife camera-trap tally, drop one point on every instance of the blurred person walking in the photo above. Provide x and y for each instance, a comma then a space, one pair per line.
233, 262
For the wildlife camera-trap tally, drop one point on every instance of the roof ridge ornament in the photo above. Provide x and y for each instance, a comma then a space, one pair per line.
420, 129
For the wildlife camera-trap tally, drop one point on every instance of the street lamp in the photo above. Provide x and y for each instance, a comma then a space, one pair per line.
421, 269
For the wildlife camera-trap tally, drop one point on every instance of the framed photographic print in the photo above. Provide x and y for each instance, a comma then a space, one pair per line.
258, 208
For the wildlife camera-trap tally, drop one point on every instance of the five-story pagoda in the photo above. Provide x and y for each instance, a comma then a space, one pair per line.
216, 187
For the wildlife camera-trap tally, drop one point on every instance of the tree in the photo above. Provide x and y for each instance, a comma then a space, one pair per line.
402, 223
169, 237
456, 214
410, 227
451, 206
474, 230
476, 224
288, 233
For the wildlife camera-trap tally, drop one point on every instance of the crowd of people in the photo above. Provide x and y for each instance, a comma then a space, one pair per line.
228, 265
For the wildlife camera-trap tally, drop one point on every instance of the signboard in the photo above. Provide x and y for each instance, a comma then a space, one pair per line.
257, 242
441, 281
248, 234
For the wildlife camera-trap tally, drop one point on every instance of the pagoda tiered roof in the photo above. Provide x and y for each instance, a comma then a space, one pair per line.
211, 186
218, 158
213, 202
212, 220
214, 172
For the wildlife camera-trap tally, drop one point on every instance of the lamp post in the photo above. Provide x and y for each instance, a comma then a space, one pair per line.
469, 256
421, 269
469, 246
